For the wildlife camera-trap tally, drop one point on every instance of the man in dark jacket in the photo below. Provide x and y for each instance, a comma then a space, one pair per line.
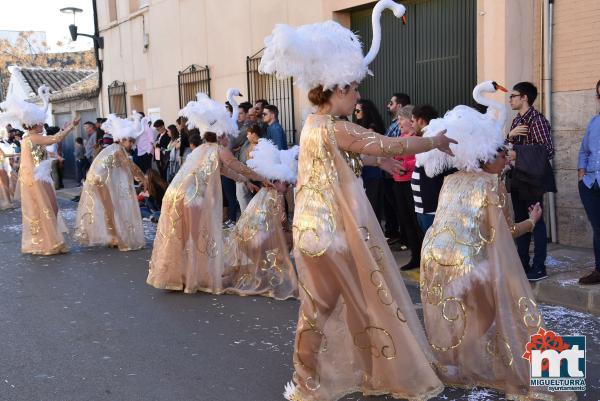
532, 174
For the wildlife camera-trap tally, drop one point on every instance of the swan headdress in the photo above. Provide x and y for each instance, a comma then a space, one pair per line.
20, 112
123, 128
479, 136
323, 53
209, 116
274, 164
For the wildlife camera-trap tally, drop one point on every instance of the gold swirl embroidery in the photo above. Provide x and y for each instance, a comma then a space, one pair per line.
364, 340
38, 153
314, 220
269, 265
529, 312
492, 349
434, 295
181, 190
311, 382
206, 245
368, 139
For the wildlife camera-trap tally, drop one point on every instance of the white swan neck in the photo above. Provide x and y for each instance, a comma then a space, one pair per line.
234, 106
376, 26
491, 104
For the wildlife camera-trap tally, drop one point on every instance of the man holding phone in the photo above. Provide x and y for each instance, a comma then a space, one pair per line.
532, 174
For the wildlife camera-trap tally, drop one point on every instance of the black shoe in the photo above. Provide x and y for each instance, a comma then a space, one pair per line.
534, 275
403, 247
592, 278
410, 266
393, 240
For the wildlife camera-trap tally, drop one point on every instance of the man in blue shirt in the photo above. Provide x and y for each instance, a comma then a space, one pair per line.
588, 170
275, 131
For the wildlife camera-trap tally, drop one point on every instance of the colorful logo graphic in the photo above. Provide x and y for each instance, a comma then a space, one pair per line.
556, 362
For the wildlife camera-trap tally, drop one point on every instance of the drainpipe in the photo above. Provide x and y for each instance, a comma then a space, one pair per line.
547, 88
99, 61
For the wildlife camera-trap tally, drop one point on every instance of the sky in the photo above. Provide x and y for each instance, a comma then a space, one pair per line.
45, 15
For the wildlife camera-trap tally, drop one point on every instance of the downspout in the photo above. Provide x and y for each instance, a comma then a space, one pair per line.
99, 63
547, 88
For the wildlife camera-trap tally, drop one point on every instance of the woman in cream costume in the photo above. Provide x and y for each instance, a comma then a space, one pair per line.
257, 256
6, 201
43, 227
478, 305
188, 248
357, 329
108, 212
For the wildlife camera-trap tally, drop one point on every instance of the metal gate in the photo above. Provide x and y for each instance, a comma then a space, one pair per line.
275, 91
117, 99
432, 58
192, 80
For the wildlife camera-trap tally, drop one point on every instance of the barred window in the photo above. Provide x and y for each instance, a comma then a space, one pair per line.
117, 103
192, 80
277, 92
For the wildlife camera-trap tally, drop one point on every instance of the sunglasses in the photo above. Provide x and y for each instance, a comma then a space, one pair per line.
513, 96
357, 111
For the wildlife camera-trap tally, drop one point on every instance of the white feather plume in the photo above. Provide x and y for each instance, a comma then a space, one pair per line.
289, 392
43, 172
478, 135
122, 128
274, 164
209, 116
19, 112
323, 53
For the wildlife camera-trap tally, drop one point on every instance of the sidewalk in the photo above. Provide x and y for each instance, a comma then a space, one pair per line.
564, 265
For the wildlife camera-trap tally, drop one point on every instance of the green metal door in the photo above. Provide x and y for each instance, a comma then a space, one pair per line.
432, 58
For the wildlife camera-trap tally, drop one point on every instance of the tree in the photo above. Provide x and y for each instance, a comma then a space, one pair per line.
28, 52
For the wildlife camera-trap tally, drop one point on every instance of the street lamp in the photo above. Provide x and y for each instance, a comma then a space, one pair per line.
98, 40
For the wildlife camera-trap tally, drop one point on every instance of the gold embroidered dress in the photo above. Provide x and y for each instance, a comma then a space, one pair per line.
43, 227
357, 328
108, 213
478, 305
5, 192
188, 248
257, 256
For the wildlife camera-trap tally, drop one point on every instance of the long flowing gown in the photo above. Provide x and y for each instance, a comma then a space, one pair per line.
188, 248
5, 192
479, 307
357, 328
43, 227
108, 212
257, 256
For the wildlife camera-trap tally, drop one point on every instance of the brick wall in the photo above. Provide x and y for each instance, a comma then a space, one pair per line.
576, 70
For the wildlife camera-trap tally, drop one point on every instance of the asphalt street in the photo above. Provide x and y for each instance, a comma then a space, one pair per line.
85, 327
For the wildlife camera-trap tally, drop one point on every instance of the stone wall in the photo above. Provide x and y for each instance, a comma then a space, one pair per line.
572, 111
576, 70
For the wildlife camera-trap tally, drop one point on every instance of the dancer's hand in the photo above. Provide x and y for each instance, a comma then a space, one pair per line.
391, 166
442, 142
252, 188
535, 212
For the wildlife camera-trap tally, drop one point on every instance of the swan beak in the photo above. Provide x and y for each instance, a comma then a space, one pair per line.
501, 88
404, 20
